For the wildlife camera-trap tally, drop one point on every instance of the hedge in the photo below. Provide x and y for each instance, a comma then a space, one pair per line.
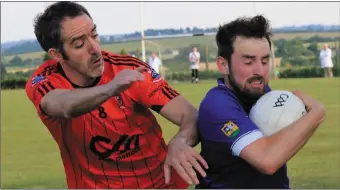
186, 75
306, 72
13, 83
294, 72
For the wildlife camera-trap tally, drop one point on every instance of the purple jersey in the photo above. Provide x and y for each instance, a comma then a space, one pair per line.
225, 129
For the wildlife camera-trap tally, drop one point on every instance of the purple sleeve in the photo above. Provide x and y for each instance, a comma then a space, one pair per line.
223, 120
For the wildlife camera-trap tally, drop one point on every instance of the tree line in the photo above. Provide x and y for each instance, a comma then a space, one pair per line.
33, 45
299, 59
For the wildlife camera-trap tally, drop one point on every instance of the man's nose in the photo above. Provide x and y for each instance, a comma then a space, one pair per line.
259, 68
93, 46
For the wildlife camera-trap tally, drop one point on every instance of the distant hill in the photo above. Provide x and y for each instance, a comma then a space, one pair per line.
27, 46
7, 45
309, 28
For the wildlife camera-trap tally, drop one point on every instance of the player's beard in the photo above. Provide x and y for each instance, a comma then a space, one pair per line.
246, 97
98, 69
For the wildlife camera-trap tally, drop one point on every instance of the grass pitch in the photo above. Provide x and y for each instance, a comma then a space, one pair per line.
30, 157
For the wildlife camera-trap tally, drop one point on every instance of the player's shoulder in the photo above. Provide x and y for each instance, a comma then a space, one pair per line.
220, 96
49, 72
220, 101
122, 61
45, 70
49, 67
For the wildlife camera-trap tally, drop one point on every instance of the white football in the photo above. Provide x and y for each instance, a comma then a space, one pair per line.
276, 110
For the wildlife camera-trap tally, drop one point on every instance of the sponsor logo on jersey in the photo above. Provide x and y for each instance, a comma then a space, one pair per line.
124, 147
37, 79
156, 76
230, 129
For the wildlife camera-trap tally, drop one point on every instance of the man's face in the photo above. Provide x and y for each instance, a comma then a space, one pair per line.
250, 65
82, 46
325, 46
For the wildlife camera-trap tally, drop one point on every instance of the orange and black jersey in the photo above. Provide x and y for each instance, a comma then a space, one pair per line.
120, 143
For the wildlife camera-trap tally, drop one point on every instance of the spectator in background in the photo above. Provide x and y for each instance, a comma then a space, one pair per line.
155, 62
326, 61
194, 58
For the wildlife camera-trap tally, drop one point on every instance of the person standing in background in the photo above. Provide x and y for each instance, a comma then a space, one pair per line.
194, 58
326, 61
155, 62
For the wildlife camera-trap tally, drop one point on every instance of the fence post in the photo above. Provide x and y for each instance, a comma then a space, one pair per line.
206, 57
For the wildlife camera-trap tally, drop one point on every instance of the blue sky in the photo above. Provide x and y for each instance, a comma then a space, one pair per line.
123, 17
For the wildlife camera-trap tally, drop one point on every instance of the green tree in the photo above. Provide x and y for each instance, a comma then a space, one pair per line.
16, 61
46, 57
296, 48
3, 70
123, 52
294, 52
138, 53
313, 47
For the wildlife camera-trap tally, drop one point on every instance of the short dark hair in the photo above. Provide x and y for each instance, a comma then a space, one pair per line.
255, 27
47, 25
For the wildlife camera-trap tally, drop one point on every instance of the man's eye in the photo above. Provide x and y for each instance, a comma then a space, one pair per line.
94, 36
266, 61
79, 46
247, 63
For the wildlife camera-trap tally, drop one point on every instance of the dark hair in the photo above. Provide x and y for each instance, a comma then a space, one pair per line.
256, 27
47, 25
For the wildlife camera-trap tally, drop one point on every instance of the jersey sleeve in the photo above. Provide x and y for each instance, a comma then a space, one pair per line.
38, 86
223, 120
154, 92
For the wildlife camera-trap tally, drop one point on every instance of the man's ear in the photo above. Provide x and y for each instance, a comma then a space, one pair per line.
55, 54
222, 65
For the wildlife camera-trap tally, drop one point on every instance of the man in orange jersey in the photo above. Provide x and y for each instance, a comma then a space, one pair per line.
97, 105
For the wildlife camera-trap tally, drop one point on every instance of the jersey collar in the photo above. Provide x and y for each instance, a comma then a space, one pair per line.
220, 82
245, 101
61, 71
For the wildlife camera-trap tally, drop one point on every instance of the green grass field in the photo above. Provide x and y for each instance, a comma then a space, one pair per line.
24, 56
20, 68
30, 157
321, 44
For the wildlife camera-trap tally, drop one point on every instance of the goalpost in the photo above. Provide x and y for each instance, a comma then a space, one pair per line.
273, 69
142, 30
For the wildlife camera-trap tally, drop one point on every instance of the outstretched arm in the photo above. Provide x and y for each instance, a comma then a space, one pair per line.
160, 97
69, 103
181, 155
72, 103
182, 113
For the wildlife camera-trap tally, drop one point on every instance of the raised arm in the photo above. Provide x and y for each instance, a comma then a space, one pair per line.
72, 103
69, 103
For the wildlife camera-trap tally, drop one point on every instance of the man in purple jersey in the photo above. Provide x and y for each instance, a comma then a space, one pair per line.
237, 153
